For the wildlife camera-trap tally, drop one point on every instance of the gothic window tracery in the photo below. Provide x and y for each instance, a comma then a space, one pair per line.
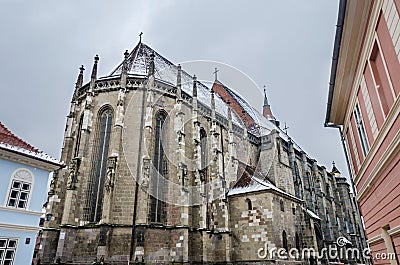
99, 165
159, 175
78, 137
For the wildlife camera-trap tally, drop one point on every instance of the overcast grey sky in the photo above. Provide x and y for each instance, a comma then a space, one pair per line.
284, 44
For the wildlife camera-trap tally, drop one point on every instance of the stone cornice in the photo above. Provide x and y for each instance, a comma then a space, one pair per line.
23, 228
23, 211
374, 239
394, 230
355, 35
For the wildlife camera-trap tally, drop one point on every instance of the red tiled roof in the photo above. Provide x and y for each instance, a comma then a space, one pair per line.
246, 177
8, 138
11, 142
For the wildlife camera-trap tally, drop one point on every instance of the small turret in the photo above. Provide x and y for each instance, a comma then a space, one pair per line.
94, 69
179, 84
335, 171
125, 63
79, 81
230, 125
194, 86
267, 112
213, 115
151, 64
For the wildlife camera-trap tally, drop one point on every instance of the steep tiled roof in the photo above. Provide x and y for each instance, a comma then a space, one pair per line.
11, 142
8, 138
166, 71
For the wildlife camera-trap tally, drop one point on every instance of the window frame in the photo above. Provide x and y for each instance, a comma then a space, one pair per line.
4, 249
362, 133
103, 136
27, 179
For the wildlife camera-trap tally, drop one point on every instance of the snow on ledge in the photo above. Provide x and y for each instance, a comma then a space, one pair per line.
39, 155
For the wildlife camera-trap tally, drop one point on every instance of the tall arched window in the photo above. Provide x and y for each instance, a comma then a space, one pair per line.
99, 166
297, 238
78, 137
159, 175
284, 240
282, 205
249, 205
20, 189
203, 155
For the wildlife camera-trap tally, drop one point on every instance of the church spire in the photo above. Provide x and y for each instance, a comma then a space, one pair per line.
213, 106
267, 112
125, 62
334, 169
266, 104
79, 81
94, 69
194, 86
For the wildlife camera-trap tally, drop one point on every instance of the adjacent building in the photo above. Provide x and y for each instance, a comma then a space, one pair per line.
24, 173
165, 170
364, 104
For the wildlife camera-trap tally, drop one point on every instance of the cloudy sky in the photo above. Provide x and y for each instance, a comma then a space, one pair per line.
286, 45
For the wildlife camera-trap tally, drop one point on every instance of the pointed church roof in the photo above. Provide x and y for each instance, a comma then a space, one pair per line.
166, 71
266, 104
11, 142
334, 168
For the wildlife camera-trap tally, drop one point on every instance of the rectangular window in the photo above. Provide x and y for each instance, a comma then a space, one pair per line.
8, 248
381, 80
19, 194
361, 130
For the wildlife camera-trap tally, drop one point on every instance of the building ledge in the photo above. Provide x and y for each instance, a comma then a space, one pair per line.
23, 211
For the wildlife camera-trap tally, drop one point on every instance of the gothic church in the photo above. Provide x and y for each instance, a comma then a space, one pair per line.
162, 169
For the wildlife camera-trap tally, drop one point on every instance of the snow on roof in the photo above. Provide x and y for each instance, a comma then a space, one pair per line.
11, 142
166, 71
312, 214
248, 182
264, 125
